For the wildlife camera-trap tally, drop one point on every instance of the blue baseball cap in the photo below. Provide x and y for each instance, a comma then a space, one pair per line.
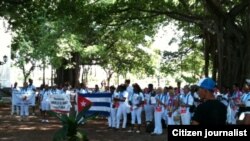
207, 83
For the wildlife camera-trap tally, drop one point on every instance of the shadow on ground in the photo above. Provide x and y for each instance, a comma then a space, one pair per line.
11, 129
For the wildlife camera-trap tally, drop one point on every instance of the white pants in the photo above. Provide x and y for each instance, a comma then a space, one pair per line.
45, 105
171, 119
232, 116
112, 117
76, 108
158, 125
176, 113
149, 112
165, 116
24, 110
33, 99
136, 114
186, 118
15, 109
121, 111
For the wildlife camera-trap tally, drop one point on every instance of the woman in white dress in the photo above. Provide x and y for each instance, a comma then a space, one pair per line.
158, 111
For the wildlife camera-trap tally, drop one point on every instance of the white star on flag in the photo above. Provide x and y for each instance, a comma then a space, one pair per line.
83, 104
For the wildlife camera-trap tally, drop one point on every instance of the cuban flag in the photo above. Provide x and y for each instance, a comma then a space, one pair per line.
100, 103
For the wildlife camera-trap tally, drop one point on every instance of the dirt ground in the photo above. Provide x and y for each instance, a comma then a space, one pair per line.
33, 130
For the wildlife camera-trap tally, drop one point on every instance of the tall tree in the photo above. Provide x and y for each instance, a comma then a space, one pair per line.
222, 24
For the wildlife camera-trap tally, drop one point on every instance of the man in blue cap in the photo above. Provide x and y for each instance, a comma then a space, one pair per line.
210, 111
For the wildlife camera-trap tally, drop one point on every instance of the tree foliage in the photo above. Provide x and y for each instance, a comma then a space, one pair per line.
108, 24
223, 25
67, 34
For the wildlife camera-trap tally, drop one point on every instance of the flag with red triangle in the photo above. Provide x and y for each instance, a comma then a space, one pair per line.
82, 103
100, 103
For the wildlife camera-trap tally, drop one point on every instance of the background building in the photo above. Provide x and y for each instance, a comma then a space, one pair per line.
5, 42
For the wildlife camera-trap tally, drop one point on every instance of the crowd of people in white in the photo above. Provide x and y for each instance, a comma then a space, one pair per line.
174, 106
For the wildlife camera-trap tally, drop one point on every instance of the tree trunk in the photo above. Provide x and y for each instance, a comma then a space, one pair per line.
232, 53
215, 66
109, 78
71, 75
118, 78
246, 63
77, 60
25, 78
26, 74
52, 76
43, 73
85, 73
206, 54
232, 42
220, 47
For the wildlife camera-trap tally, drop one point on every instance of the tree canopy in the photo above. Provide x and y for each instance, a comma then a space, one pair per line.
70, 33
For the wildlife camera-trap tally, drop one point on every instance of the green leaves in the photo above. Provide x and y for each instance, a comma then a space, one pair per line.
81, 114
60, 135
187, 62
53, 31
70, 130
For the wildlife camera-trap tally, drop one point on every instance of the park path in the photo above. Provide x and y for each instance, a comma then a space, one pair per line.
33, 130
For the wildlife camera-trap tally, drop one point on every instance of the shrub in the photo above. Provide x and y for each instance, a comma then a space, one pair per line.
70, 126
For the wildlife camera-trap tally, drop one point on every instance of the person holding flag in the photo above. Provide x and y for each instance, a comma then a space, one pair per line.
99, 103
82, 90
